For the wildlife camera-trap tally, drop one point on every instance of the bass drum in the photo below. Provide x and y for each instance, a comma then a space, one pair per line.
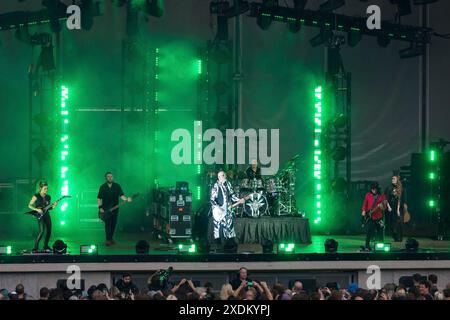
256, 206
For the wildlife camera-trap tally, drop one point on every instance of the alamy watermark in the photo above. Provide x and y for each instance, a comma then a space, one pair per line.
190, 149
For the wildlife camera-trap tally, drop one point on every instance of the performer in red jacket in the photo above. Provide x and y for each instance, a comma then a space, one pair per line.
373, 205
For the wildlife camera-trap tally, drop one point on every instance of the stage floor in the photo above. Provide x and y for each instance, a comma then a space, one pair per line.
126, 245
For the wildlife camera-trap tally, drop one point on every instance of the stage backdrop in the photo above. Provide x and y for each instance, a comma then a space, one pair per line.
280, 71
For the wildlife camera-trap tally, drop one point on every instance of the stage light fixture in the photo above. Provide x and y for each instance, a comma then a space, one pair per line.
59, 247
5, 250
187, 248
331, 246
382, 247
432, 155
142, 247
267, 246
354, 37
414, 50
90, 249
264, 20
294, 25
323, 37
286, 248
411, 245
331, 5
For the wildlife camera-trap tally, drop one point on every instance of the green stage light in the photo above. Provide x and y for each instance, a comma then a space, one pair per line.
64, 149
188, 248
382, 247
432, 155
199, 66
90, 249
432, 176
317, 167
286, 248
432, 203
5, 250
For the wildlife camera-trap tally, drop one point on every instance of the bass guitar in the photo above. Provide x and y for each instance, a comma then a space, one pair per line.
107, 212
46, 208
368, 216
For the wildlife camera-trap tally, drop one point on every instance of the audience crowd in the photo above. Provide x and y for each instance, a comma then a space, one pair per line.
159, 287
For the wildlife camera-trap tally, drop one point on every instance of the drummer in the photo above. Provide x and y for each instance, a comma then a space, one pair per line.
253, 171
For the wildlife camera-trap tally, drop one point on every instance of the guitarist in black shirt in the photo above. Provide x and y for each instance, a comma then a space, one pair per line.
108, 197
39, 201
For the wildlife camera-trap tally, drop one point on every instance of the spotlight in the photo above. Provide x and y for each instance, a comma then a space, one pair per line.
331, 5
230, 246
412, 245
142, 247
187, 248
294, 25
287, 248
59, 247
267, 246
331, 246
414, 50
5, 250
382, 247
354, 37
90, 249
321, 38
264, 20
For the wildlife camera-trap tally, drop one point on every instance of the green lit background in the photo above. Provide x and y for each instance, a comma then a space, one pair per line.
281, 75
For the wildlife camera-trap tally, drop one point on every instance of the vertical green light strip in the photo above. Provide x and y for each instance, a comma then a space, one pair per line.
156, 108
198, 157
64, 149
198, 142
433, 176
199, 66
317, 154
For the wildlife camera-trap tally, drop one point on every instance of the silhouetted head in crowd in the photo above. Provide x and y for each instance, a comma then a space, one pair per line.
44, 293
433, 279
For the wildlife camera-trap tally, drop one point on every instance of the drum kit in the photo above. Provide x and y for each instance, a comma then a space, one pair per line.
270, 196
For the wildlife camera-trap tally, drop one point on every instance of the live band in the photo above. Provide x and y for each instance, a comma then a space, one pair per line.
377, 209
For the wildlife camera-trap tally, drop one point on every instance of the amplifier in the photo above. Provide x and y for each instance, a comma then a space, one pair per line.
180, 215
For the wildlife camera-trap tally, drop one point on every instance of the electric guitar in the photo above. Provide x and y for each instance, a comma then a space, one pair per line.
366, 218
46, 208
108, 211
220, 211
